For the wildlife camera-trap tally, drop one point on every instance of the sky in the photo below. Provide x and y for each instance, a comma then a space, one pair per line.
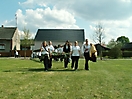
115, 16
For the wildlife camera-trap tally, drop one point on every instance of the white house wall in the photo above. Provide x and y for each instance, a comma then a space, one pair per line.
16, 41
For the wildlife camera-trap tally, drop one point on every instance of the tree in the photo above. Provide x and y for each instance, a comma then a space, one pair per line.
122, 40
26, 41
115, 52
112, 43
99, 36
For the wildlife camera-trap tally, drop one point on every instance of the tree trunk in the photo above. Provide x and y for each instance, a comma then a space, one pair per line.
25, 53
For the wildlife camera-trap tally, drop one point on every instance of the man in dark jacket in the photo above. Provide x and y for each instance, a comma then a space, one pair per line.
66, 50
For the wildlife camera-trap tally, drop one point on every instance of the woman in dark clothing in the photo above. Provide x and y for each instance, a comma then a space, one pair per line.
45, 51
66, 50
86, 50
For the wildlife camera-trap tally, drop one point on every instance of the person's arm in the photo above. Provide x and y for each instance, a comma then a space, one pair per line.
82, 49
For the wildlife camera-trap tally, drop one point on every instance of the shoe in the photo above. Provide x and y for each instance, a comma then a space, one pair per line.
75, 69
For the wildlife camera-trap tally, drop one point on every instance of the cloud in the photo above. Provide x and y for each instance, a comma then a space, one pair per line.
43, 18
116, 15
90, 9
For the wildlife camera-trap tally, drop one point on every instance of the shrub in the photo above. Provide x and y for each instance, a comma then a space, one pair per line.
115, 52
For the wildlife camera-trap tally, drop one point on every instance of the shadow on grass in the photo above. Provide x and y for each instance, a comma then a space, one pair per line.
36, 60
52, 70
42, 70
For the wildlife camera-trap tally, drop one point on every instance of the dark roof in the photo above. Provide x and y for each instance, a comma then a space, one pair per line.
60, 35
105, 48
7, 32
127, 46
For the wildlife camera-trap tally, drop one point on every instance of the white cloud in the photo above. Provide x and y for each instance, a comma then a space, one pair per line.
43, 18
116, 15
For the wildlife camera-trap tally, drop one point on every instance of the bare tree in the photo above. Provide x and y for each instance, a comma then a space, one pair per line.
98, 36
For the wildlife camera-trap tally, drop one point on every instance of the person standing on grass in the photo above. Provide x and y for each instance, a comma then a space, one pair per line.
60, 51
16, 54
85, 51
51, 50
66, 50
45, 51
75, 53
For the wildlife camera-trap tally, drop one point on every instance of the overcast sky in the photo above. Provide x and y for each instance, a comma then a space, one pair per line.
114, 15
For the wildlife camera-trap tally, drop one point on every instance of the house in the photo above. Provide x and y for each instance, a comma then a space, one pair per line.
9, 40
102, 48
127, 47
127, 50
59, 36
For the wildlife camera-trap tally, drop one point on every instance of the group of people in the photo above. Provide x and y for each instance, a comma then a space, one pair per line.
69, 51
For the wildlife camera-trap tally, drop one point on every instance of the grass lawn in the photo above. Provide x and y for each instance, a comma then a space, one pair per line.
25, 79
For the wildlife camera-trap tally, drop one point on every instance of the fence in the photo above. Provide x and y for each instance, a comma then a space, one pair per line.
20, 52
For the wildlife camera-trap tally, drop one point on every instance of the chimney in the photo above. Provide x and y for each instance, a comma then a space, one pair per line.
2, 25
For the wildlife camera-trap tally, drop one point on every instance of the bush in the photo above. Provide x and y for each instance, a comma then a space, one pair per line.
115, 52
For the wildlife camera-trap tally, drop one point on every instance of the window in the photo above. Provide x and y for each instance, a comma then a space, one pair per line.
2, 46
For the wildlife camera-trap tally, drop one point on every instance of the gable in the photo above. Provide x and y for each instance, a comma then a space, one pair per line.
98, 46
7, 32
60, 35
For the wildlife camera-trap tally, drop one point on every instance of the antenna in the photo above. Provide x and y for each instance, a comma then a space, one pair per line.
16, 19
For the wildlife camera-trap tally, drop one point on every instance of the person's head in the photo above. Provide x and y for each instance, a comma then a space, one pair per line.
75, 43
67, 42
59, 45
50, 43
91, 44
86, 41
44, 43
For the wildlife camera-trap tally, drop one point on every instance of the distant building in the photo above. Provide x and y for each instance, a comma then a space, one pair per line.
127, 47
101, 48
127, 50
59, 36
9, 40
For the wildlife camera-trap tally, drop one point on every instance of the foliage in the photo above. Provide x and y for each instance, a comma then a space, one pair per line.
115, 52
25, 79
112, 43
122, 40
26, 39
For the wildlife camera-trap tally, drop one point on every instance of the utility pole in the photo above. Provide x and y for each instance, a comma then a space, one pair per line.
16, 19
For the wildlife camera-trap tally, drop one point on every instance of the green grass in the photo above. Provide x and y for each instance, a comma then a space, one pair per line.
25, 79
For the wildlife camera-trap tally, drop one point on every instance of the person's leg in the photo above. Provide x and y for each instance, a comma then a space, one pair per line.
46, 62
76, 62
86, 60
73, 61
89, 58
65, 63
50, 62
86, 64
